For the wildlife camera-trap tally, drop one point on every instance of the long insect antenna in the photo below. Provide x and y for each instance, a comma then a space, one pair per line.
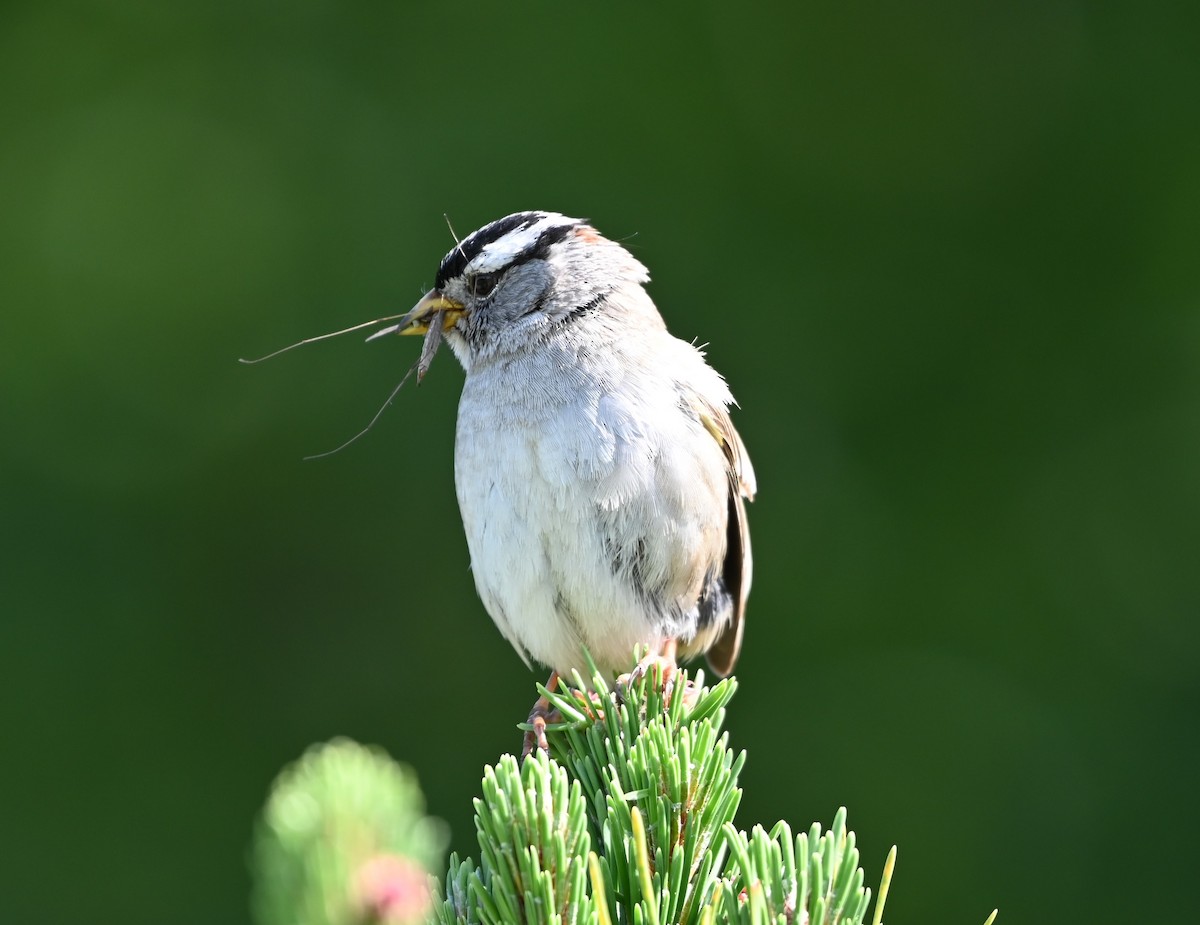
371, 423
457, 242
310, 340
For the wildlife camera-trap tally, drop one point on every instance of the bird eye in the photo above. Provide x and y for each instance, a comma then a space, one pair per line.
482, 284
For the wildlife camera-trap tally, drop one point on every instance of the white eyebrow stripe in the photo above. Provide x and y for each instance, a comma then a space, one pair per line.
501, 253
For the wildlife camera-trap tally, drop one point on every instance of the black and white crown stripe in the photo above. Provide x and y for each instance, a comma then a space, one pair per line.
506, 242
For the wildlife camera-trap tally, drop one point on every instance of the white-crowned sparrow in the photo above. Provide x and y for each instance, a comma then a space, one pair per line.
600, 479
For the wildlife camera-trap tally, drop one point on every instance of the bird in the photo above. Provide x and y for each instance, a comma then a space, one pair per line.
601, 482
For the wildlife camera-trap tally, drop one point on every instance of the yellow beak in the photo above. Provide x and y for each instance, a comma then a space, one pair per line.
418, 318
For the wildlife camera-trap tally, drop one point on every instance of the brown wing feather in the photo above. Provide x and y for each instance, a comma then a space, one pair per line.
737, 568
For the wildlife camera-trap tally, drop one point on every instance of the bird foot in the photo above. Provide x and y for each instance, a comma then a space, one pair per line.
543, 715
535, 738
667, 671
540, 716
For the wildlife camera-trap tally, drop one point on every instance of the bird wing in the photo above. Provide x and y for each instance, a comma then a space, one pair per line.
738, 565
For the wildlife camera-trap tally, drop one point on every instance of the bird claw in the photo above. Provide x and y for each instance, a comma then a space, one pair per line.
535, 738
667, 670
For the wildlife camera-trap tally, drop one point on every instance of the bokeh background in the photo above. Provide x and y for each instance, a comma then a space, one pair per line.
945, 253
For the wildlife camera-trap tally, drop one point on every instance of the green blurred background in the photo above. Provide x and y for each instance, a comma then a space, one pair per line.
945, 253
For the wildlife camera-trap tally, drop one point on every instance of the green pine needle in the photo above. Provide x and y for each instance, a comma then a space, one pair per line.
343, 839
629, 820
656, 782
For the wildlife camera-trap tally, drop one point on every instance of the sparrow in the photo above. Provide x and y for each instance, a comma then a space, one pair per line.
601, 482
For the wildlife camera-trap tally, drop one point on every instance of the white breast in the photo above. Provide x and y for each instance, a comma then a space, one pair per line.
549, 478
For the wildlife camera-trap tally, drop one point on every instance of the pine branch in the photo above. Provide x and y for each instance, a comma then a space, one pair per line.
628, 821
657, 784
344, 840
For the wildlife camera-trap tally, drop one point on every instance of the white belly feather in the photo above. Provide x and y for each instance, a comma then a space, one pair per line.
550, 484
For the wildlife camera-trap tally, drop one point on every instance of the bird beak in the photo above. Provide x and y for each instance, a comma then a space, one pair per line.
418, 318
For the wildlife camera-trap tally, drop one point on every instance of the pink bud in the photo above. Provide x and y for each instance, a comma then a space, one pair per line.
392, 889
